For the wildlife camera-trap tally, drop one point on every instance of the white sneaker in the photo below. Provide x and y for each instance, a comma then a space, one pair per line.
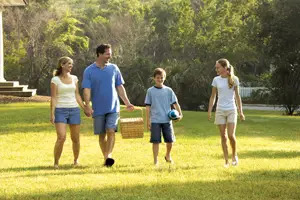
226, 165
236, 161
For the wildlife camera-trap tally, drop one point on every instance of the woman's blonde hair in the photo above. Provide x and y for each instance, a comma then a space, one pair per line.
61, 61
230, 71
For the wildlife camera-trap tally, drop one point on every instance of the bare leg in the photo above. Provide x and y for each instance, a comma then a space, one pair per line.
155, 149
222, 129
110, 142
103, 144
168, 152
75, 130
61, 138
231, 135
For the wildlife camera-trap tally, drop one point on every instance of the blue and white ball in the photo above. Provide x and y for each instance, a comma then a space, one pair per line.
173, 114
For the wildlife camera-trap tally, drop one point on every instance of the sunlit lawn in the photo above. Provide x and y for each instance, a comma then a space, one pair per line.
268, 147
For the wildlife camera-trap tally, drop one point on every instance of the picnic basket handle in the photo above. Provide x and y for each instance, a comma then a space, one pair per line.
135, 108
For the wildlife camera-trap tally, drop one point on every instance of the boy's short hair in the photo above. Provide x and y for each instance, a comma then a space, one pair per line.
159, 71
101, 48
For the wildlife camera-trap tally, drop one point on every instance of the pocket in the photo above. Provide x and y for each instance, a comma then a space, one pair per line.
59, 111
75, 111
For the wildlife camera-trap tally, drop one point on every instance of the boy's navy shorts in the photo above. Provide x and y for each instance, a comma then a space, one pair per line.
166, 129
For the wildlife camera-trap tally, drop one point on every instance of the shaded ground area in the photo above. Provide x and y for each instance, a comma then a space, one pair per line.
13, 99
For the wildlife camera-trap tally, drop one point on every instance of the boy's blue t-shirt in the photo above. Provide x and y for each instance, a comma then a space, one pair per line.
103, 83
160, 100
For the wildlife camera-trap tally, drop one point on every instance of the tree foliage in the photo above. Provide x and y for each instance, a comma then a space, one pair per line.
280, 38
185, 37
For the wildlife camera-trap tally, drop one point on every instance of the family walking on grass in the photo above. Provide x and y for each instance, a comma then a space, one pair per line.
103, 85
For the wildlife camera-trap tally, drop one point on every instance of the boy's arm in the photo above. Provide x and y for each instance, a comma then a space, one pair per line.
177, 107
78, 97
148, 120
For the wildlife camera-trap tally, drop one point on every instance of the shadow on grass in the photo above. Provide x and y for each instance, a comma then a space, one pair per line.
264, 185
81, 170
269, 154
277, 176
41, 168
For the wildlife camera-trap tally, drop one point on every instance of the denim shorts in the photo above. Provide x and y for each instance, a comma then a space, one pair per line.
67, 115
167, 131
107, 121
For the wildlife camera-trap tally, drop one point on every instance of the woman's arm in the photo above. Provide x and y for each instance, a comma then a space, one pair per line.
53, 102
87, 98
78, 97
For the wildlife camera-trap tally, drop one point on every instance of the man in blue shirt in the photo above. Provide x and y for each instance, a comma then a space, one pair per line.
102, 84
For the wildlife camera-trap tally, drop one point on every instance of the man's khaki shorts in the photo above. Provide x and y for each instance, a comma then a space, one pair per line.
225, 116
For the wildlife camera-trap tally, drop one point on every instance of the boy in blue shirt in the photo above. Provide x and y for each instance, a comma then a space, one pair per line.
159, 100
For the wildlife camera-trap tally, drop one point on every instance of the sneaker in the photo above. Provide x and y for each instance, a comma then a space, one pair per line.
226, 165
235, 162
109, 162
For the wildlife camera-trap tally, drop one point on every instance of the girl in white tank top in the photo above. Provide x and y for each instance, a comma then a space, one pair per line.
226, 86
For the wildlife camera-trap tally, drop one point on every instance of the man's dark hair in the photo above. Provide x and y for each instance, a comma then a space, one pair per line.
101, 48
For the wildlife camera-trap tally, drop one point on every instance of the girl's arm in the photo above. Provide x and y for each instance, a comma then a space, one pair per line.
239, 103
212, 101
53, 102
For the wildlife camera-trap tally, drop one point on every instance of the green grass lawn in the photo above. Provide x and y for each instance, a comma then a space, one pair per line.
268, 149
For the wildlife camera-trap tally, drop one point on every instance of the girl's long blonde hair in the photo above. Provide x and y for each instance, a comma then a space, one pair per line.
230, 71
61, 61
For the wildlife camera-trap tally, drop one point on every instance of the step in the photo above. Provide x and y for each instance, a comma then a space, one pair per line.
26, 93
14, 88
9, 83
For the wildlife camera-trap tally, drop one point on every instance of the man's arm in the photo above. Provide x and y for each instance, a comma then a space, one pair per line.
122, 93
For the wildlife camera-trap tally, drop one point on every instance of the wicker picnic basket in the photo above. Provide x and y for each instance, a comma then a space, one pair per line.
132, 127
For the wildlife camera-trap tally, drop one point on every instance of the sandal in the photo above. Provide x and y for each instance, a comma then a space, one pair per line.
169, 161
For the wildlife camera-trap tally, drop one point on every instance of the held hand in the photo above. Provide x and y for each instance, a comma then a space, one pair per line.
88, 111
149, 126
242, 117
209, 116
130, 107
